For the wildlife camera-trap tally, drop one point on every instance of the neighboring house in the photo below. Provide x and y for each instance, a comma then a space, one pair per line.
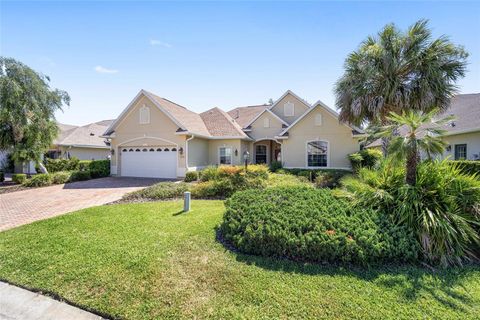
155, 137
462, 134
83, 142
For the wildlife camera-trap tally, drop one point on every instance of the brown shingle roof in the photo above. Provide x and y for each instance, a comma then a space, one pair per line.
88, 135
190, 120
243, 115
219, 123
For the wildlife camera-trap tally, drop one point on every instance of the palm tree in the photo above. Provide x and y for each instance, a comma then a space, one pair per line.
419, 133
399, 71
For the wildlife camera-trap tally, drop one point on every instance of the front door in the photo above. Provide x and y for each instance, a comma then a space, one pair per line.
260, 154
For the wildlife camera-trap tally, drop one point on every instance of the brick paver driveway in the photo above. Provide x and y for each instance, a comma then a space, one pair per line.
26, 206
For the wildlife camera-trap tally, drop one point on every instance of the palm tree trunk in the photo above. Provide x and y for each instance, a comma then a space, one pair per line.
412, 162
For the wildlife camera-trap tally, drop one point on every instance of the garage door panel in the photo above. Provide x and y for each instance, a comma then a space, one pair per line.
151, 162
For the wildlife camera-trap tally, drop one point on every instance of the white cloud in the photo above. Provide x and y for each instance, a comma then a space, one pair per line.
101, 69
154, 42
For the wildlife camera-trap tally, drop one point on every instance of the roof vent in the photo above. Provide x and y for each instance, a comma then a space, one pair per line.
92, 134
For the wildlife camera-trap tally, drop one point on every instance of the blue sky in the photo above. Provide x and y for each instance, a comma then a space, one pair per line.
209, 54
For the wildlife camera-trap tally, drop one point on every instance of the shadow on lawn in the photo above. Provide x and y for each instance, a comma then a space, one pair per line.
410, 281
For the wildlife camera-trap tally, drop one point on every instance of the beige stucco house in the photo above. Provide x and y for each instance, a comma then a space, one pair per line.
462, 135
155, 137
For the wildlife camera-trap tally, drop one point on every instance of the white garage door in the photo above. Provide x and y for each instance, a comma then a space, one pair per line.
150, 162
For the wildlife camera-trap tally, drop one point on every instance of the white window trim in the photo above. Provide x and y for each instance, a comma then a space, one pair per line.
255, 151
231, 156
293, 109
144, 115
306, 154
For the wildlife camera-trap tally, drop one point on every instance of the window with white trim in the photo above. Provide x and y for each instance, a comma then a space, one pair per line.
318, 119
144, 115
317, 154
266, 123
225, 154
289, 109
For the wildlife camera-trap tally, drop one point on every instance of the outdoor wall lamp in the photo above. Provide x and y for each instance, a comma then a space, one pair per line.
449, 148
112, 152
236, 153
180, 151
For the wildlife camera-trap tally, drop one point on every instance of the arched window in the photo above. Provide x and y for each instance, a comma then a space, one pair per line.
137, 150
166, 149
159, 149
174, 149
144, 115
144, 150
131, 150
317, 153
124, 150
151, 150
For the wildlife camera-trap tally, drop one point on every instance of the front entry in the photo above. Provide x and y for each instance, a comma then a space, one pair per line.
260, 154
266, 151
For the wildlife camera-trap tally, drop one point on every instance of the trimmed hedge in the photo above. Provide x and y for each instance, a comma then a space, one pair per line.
468, 166
323, 178
19, 177
307, 224
55, 165
191, 176
80, 176
159, 191
60, 177
97, 168
39, 180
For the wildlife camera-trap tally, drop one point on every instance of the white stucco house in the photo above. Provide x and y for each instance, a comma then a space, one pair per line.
155, 137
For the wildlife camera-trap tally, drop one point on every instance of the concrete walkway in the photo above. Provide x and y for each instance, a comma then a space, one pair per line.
17, 303
22, 207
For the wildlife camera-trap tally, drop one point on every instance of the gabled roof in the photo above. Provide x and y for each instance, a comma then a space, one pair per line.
333, 113
243, 115
221, 124
466, 110
266, 111
84, 136
293, 94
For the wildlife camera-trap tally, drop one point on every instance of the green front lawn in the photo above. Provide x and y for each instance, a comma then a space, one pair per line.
142, 261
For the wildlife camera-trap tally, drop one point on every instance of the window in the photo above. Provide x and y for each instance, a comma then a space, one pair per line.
144, 115
289, 109
260, 154
225, 155
317, 153
460, 152
318, 119
266, 123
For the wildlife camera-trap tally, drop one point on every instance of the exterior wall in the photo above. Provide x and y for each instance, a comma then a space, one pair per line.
197, 153
235, 144
159, 132
86, 153
472, 140
258, 130
300, 108
339, 138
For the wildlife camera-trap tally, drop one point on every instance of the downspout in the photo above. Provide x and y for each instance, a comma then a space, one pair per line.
186, 151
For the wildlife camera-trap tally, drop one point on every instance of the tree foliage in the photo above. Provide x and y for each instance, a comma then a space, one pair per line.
27, 110
398, 71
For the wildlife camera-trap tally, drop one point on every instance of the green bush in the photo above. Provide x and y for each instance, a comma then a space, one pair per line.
468, 166
60, 177
442, 209
80, 176
39, 180
191, 176
159, 191
19, 178
84, 165
99, 168
209, 173
308, 224
2, 176
275, 166
368, 158
329, 179
226, 186
55, 165
286, 180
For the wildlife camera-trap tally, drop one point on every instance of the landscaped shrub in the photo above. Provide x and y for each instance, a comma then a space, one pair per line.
60, 177
39, 180
80, 176
55, 165
329, 179
442, 209
365, 158
19, 177
275, 166
286, 180
209, 173
310, 224
83, 165
159, 191
226, 186
191, 176
2, 176
468, 166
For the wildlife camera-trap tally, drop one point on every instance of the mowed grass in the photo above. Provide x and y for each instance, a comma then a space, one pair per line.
145, 261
